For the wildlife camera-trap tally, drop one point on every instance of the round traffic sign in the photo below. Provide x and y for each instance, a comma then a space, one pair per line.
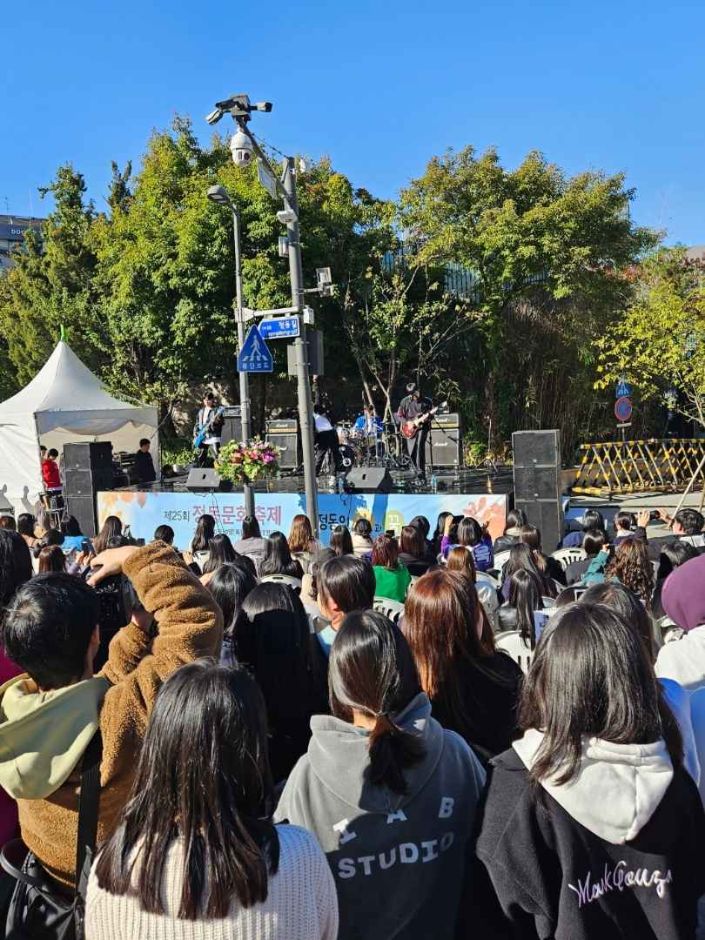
623, 409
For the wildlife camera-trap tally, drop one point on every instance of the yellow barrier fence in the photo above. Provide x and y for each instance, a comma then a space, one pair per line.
639, 466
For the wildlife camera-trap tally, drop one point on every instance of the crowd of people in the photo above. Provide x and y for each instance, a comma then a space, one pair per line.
426, 736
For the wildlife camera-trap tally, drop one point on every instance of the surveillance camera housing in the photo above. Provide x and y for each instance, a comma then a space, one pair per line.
241, 148
214, 116
287, 216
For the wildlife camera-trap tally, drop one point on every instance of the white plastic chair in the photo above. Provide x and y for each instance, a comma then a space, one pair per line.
500, 560
511, 643
566, 556
287, 579
392, 610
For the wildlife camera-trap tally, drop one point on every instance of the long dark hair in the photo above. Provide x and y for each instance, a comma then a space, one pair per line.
440, 530
673, 555
111, 529
449, 635
522, 556
470, 532
220, 552
617, 597
525, 598
250, 528
413, 542
15, 564
341, 540
591, 675
51, 558
277, 558
202, 778
205, 530
230, 585
371, 670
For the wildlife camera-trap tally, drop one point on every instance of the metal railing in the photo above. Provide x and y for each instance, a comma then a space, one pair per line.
639, 466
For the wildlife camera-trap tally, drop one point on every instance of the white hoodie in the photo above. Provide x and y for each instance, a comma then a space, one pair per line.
617, 788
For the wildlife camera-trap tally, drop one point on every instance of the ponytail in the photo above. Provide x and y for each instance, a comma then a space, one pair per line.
392, 751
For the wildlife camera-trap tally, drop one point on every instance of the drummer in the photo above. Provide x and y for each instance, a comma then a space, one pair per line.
368, 424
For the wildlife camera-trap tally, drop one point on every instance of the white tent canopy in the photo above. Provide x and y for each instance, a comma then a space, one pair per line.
63, 403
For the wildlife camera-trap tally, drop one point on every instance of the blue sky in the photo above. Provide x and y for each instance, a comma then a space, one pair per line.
379, 86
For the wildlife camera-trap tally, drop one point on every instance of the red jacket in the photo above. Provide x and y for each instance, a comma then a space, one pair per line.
50, 474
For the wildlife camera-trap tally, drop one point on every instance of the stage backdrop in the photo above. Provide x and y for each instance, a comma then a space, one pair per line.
144, 511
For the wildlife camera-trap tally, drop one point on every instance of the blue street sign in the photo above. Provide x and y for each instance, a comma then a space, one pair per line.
280, 328
254, 355
623, 389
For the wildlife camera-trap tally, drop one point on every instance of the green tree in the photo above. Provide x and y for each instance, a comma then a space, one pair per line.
659, 342
51, 282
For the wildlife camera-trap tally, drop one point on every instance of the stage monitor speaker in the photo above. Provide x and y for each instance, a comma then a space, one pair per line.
94, 455
82, 508
537, 482
369, 480
202, 479
284, 433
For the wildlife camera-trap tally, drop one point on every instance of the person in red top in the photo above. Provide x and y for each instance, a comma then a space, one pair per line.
50, 471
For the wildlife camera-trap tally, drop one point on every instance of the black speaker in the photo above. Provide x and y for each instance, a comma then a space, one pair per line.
83, 509
87, 482
232, 427
444, 444
202, 479
369, 480
537, 482
94, 455
284, 433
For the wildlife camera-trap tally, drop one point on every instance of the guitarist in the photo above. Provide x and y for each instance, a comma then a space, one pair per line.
206, 432
411, 408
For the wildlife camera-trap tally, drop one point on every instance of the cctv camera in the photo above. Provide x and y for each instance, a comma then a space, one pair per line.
287, 216
214, 116
241, 148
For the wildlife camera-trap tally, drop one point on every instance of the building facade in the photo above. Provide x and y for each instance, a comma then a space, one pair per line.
12, 229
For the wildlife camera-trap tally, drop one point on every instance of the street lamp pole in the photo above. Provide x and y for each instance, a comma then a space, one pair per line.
306, 419
220, 195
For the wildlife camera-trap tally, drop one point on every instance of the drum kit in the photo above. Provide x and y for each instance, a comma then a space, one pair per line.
361, 449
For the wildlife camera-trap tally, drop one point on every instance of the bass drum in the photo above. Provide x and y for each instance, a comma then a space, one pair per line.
347, 456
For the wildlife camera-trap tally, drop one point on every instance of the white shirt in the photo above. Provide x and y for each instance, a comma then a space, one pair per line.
205, 415
322, 423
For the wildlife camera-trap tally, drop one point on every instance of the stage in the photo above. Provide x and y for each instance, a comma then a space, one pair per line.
463, 492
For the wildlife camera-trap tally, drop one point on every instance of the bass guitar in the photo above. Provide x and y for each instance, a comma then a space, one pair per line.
205, 429
411, 428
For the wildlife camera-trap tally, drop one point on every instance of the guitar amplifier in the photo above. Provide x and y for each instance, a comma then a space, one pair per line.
444, 444
284, 433
232, 424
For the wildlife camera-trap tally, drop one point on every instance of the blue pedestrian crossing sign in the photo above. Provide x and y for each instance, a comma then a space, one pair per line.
255, 355
623, 389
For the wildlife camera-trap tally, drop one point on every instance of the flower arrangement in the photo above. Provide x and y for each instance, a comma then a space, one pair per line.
245, 463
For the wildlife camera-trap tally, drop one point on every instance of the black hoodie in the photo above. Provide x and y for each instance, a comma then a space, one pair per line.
621, 855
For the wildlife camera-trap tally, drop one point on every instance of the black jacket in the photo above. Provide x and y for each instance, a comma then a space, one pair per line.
554, 878
144, 467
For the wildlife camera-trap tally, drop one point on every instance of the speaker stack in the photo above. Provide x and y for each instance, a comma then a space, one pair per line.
87, 468
444, 444
232, 424
537, 482
284, 433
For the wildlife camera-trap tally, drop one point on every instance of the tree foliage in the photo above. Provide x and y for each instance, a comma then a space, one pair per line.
659, 342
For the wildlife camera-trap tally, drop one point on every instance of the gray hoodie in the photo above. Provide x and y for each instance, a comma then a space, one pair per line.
398, 861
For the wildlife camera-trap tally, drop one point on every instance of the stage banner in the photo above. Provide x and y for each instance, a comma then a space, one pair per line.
144, 511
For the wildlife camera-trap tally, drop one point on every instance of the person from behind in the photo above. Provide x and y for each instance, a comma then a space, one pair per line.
8, 523
632, 568
341, 540
470, 534
524, 611
220, 552
277, 558
629, 526
440, 532
25, 527
230, 585
531, 536
594, 542
683, 600
524, 556
462, 560
414, 553
362, 538
251, 543
424, 526
51, 558
672, 556
345, 583
74, 539
392, 579
144, 465
592, 827
272, 639
164, 533
516, 518
592, 519
303, 545
686, 525
198, 552
49, 716
389, 794
110, 534
472, 687
196, 852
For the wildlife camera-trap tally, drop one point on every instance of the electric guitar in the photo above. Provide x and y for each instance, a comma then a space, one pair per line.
205, 429
411, 428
